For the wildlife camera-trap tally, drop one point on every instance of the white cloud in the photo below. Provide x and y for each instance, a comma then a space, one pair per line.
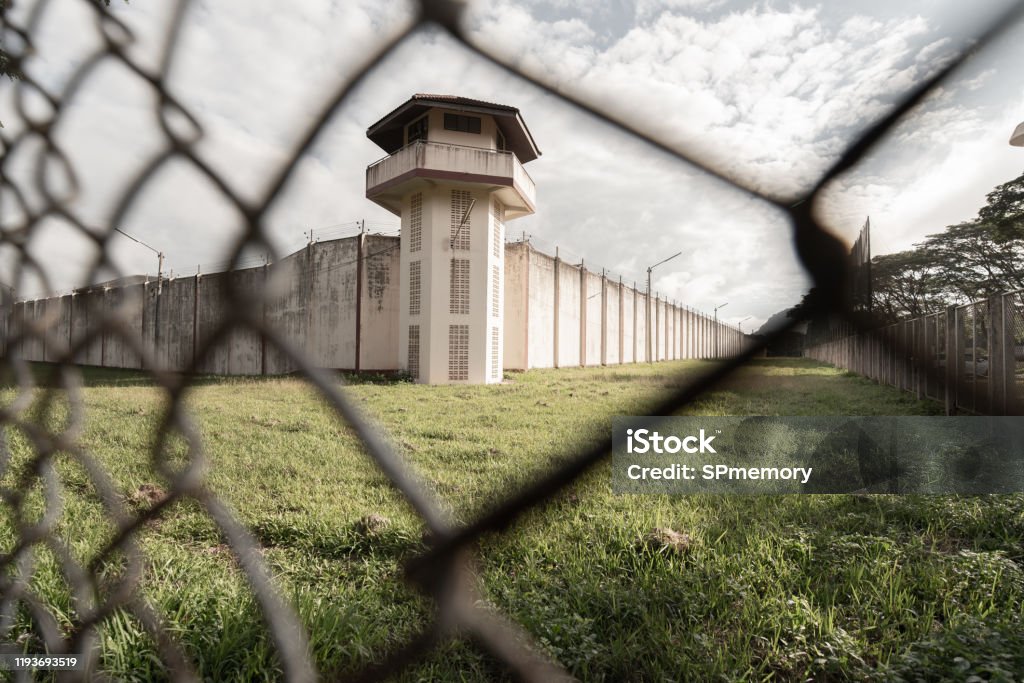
944, 185
773, 95
763, 91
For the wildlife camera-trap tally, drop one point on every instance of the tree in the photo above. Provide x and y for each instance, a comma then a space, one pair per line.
1004, 211
820, 320
968, 261
7, 62
906, 284
975, 259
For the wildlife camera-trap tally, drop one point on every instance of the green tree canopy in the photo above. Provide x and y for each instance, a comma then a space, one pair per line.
965, 262
1004, 211
906, 284
975, 259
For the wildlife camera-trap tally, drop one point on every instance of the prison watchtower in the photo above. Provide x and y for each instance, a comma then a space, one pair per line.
454, 174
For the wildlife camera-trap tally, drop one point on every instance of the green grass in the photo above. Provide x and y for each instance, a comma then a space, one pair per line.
769, 588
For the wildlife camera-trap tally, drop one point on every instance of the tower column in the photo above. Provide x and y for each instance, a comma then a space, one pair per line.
455, 176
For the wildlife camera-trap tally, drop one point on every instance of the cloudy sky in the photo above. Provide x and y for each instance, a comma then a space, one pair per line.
768, 92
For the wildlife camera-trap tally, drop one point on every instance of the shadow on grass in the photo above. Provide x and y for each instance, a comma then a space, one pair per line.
47, 375
787, 362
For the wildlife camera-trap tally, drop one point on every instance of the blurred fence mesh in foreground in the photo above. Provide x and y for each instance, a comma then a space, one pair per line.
443, 570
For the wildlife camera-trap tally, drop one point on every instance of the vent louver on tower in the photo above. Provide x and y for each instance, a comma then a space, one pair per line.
414, 351
415, 283
497, 227
416, 222
459, 293
495, 291
495, 365
460, 204
458, 352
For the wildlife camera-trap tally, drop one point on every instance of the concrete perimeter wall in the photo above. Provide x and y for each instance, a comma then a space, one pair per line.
337, 303
559, 314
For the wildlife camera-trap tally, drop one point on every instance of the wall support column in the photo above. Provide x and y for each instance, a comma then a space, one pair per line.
584, 296
558, 263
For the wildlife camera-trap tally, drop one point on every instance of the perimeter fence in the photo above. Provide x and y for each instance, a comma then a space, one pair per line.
444, 571
968, 357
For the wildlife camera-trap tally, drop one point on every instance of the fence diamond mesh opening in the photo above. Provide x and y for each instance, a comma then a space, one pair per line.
959, 350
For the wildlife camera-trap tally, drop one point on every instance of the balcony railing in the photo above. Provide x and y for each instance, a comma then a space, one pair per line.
442, 156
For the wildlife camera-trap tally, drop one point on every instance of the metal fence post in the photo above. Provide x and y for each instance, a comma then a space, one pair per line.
952, 353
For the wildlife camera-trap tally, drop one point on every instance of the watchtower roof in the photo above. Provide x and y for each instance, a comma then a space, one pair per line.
387, 133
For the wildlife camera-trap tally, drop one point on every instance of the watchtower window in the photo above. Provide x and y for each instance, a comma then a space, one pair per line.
462, 123
417, 130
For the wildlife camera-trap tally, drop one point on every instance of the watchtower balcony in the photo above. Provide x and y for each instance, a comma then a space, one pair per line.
422, 161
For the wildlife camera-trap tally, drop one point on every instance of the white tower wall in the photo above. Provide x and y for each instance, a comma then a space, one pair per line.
449, 155
469, 304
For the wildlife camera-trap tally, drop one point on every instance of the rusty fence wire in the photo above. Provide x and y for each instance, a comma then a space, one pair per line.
443, 571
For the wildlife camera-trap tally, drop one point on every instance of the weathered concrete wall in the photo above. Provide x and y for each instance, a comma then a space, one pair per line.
177, 324
212, 311
594, 304
670, 333
628, 324
123, 304
612, 323
323, 314
541, 345
311, 301
666, 330
57, 314
6, 317
85, 325
378, 348
337, 302
666, 324
568, 296
285, 310
516, 330
245, 345
150, 312
640, 331
34, 347
658, 329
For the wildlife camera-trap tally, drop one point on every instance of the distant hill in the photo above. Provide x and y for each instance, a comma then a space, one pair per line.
792, 342
778, 320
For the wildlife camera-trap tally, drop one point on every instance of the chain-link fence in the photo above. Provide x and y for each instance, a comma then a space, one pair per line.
443, 572
968, 357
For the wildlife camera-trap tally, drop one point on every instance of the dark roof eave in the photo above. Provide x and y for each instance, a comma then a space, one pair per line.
450, 102
499, 111
529, 135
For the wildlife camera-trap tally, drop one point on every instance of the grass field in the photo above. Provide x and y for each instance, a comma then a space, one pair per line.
764, 588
